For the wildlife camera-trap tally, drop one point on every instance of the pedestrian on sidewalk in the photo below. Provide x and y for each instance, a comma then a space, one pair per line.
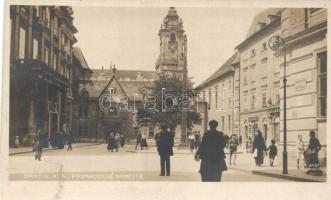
197, 140
311, 154
138, 142
227, 138
70, 140
144, 134
240, 140
111, 142
259, 147
38, 145
249, 144
300, 150
122, 140
118, 141
272, 152
17, 142
211, 153
164, 148
233, 147
191, 141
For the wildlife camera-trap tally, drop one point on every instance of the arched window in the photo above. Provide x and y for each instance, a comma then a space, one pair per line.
172, 37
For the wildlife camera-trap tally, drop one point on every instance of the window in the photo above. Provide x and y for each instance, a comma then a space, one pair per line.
54, 65
322, 67
35, 49
83, 111
230, 103
46, 55
209, 99
55, 25
36, 11
230, 84
21, 52
245, 78
112, 90
264, 99
252, 53
229, 122
264, 46
47, 17
172, 37
277, 99
222, 125
253, 102
216, 97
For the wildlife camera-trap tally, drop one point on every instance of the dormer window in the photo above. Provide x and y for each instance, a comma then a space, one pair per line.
252, 53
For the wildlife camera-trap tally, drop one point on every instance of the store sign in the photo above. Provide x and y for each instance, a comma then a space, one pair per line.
253, 119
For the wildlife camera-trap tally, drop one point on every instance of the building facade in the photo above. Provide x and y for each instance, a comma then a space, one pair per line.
305, 30
109, 100
221, 93
40, 70
260, 78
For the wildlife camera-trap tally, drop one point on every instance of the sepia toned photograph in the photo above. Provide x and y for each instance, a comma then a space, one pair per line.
165, 94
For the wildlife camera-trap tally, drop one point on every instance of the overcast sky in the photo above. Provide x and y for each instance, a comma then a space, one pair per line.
128, 36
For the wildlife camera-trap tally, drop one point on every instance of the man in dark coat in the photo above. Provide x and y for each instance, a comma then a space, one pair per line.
211, 153
311, 154
138, 142
165, 143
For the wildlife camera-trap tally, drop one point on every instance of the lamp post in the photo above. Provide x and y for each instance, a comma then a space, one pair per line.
274, 43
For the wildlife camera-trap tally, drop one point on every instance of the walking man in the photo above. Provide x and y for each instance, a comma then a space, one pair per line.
164, 147
211, 153
233, 146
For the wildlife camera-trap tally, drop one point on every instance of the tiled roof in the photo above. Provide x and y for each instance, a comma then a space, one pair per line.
132, 81
226, 67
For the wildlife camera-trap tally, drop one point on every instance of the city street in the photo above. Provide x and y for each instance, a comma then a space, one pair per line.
94, 162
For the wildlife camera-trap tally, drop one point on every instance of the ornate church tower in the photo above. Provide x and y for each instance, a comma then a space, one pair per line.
172, 57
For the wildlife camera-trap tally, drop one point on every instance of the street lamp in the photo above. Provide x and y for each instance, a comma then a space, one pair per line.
274, 43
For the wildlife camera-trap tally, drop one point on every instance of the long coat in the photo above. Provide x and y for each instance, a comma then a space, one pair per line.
165, 143
259, 145
211, 152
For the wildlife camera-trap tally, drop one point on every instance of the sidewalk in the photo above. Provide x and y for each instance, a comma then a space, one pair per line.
23, 150
245, 162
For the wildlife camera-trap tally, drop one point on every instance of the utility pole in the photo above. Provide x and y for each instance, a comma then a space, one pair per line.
184, 89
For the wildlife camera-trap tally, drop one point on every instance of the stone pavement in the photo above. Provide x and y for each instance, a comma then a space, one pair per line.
148, 160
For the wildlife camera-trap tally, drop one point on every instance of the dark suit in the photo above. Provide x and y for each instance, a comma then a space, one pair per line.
165, 143
211, 153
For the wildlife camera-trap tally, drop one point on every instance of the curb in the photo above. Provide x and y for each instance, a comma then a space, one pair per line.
48, 149
287, 177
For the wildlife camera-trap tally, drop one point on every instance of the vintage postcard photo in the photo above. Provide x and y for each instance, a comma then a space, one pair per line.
165, 93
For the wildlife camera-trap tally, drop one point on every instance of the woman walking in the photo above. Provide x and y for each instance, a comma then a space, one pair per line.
311, 155
259, 147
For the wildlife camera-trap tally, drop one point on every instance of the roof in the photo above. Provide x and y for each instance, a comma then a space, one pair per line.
132, 81
225, 68
261, 18
77, 52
